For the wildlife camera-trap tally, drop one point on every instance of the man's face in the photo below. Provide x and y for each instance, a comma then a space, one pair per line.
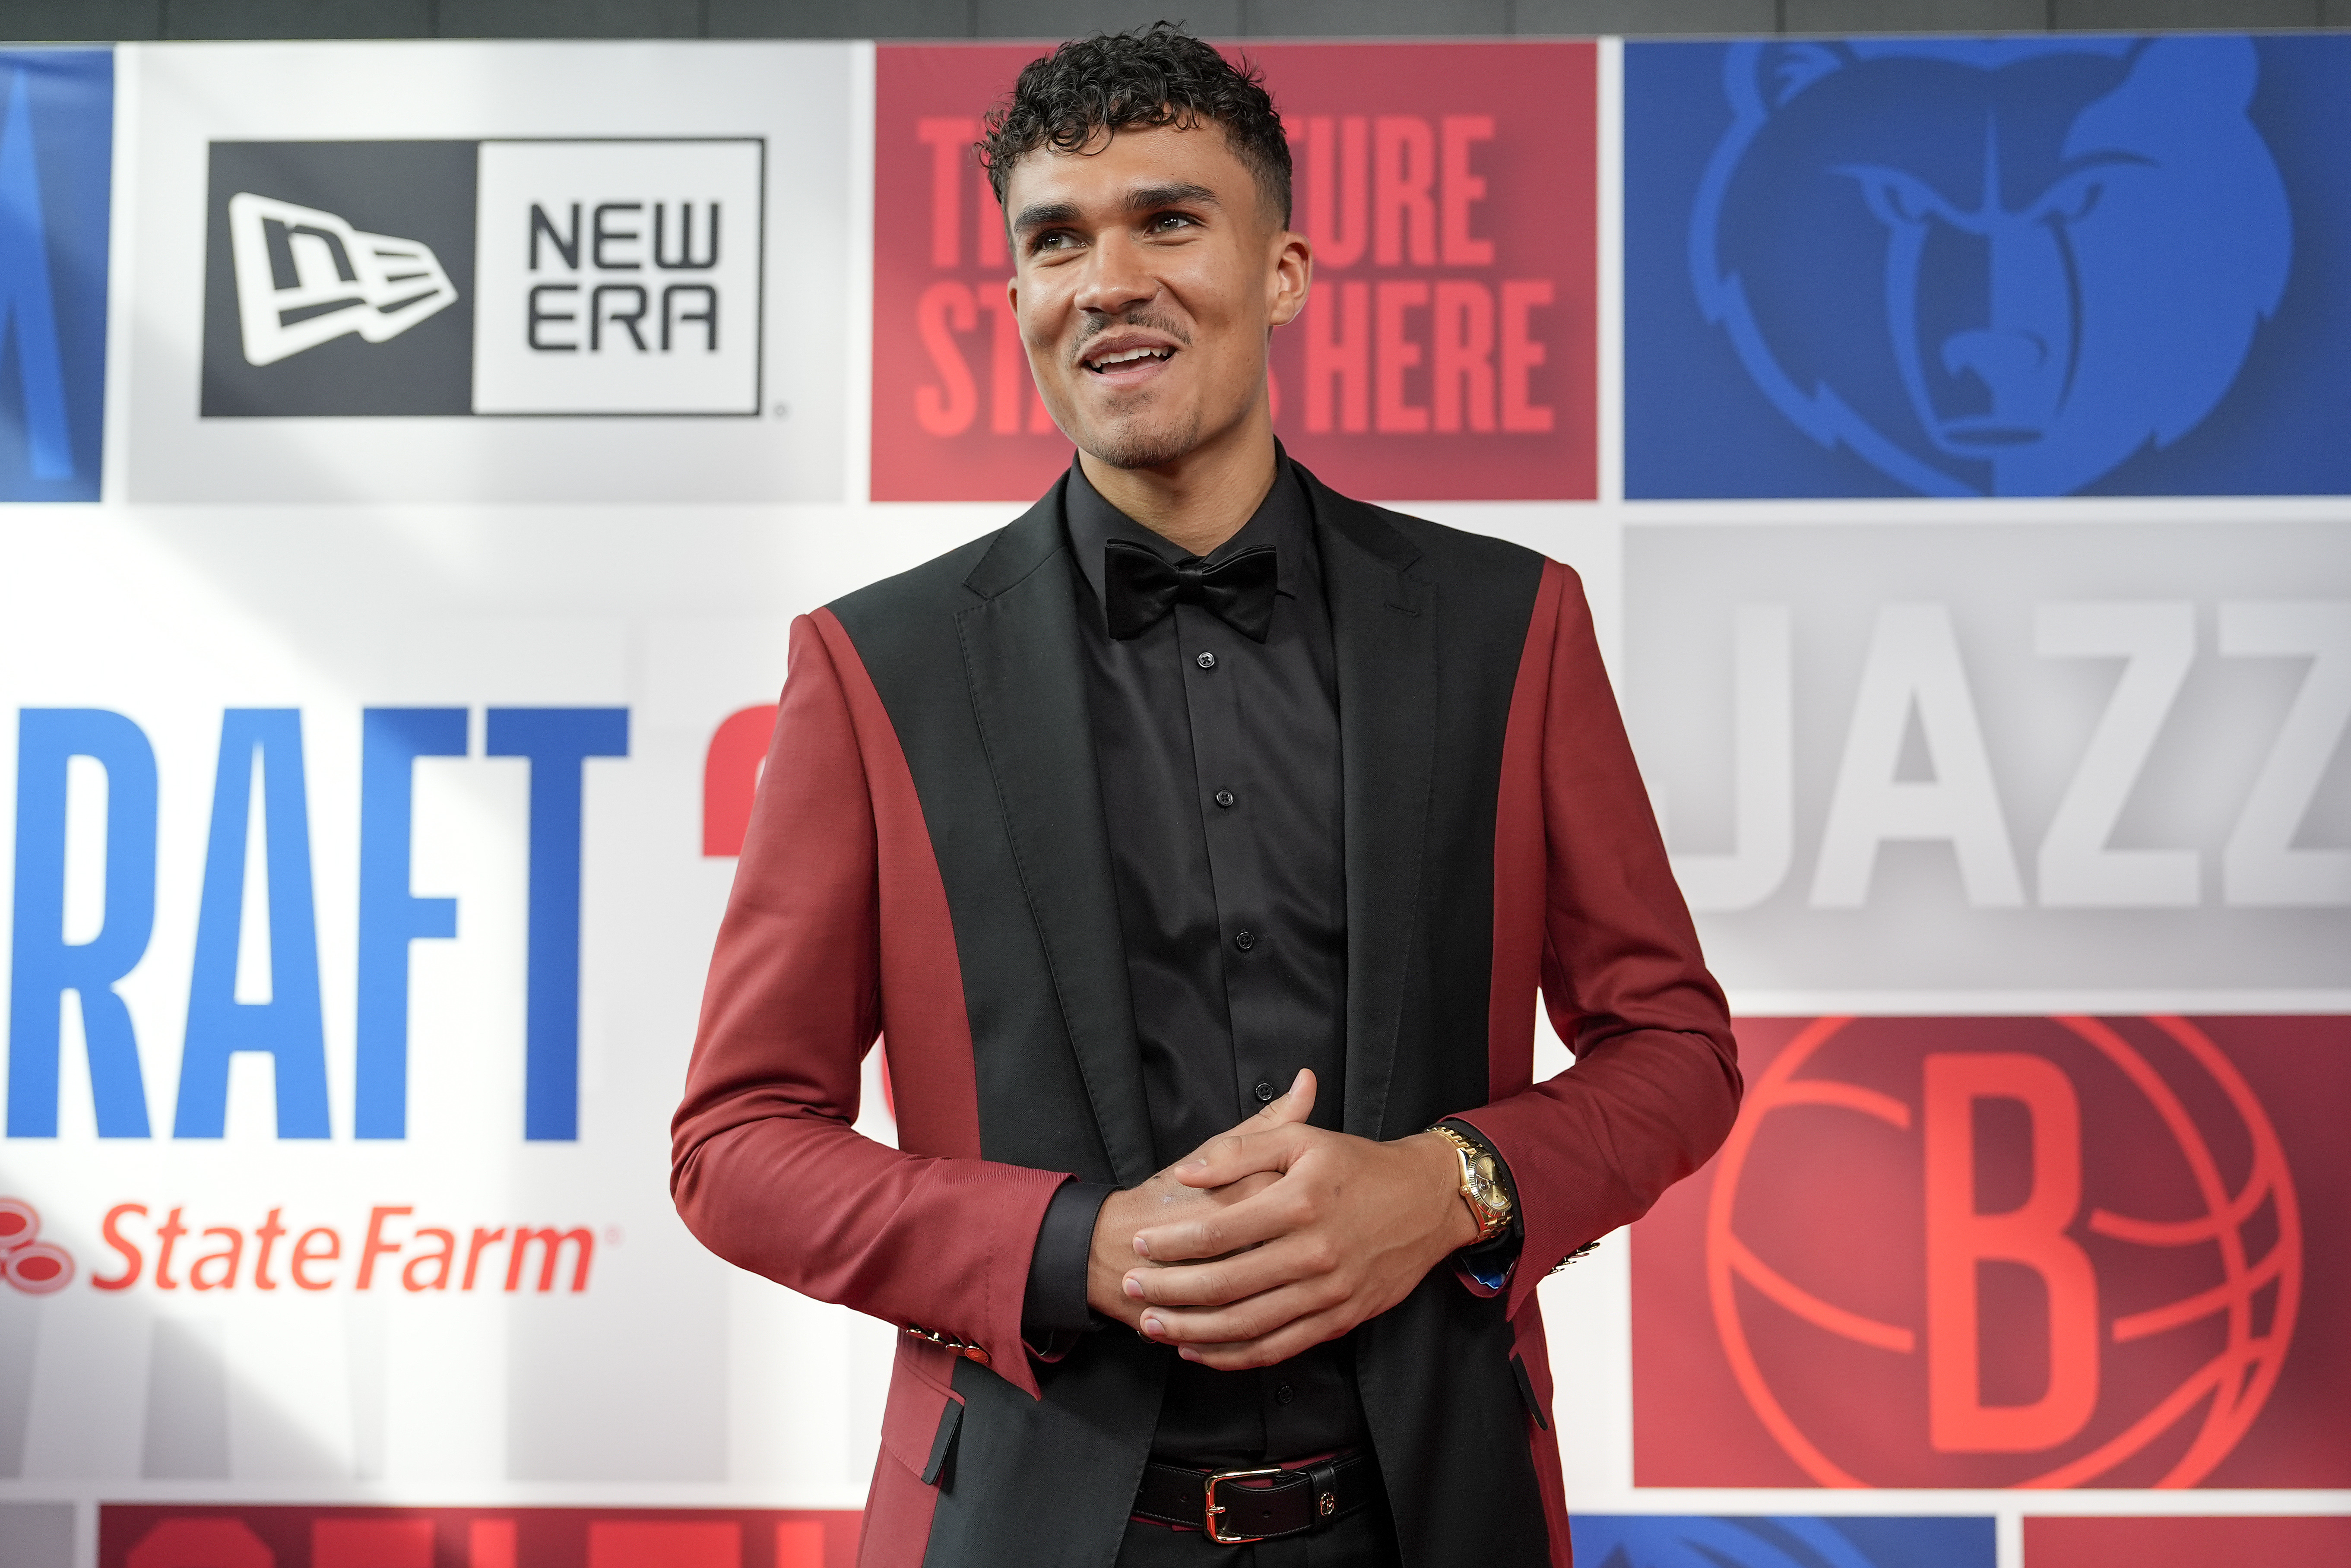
1148, 275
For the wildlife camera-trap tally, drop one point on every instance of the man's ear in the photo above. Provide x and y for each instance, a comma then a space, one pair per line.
1294, 276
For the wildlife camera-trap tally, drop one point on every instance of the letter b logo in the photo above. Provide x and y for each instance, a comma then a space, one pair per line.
1961, 1239
1987, 1252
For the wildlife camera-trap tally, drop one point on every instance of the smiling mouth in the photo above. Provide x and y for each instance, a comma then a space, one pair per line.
1104, 364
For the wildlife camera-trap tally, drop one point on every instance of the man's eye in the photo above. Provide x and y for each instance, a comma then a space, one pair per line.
1057, 240
1166, 221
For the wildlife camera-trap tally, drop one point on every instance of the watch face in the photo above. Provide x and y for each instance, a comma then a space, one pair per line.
1483, 1175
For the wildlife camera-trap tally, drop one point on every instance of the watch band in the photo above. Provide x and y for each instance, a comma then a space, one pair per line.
1482, 1191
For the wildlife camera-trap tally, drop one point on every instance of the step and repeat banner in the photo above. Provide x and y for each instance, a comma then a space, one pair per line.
414, 453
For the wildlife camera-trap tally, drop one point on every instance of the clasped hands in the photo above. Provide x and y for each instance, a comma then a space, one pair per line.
1275, 1237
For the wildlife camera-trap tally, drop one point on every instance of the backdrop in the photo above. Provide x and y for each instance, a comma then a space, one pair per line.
417, 451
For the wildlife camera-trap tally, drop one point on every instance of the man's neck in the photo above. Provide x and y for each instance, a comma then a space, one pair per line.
1201, 499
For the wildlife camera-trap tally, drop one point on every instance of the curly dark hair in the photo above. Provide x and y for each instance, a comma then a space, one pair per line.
1159, 75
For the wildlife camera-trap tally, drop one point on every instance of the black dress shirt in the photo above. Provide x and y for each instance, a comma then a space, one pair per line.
1220, 767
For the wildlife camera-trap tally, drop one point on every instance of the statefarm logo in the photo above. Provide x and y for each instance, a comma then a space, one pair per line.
421, 1258
1993, 1252
34, 1265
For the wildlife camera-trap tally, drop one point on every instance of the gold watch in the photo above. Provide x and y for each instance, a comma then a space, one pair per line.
1481, 1184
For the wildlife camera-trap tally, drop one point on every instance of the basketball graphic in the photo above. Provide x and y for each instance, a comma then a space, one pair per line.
2014, 1252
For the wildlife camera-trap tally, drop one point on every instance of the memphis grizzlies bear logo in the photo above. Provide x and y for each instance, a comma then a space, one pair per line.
1993, 267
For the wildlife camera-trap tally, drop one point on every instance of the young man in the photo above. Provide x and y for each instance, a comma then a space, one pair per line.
1198, 842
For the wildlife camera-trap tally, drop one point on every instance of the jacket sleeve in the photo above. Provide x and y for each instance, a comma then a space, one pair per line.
1655, 1085
766, 1168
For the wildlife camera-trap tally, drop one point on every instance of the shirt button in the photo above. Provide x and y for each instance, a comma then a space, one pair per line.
1264, 1096
1224, 797
1207, 661
1245, 941
1284, 1394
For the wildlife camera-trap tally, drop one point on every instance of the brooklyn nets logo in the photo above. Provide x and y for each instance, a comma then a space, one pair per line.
1993, 267
2103, 1289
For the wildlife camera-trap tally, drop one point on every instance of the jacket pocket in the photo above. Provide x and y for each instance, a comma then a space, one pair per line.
923, 1415
1527, 1390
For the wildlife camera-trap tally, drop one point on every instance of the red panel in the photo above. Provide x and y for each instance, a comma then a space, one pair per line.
213, 1543
187, 1536
799, 1543
730, 776
939, 271
2286, 1542
664, 1544
1485, 324
490, 1543
1988, 1252
1450, 348
374, 1543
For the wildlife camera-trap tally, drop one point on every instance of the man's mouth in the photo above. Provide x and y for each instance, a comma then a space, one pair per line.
1128, 360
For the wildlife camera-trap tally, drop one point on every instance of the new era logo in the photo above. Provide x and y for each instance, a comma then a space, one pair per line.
485, 277
306, 276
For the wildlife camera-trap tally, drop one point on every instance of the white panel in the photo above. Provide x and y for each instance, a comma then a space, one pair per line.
572, 97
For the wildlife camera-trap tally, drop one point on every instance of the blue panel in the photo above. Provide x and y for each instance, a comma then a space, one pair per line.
57, 162
1675, 1541
2031, 266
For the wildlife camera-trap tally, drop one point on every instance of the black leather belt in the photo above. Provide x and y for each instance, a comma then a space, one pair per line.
1236, 1507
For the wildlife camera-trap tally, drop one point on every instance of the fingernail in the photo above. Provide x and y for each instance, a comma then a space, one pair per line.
1151, 1326
1134, 1288
1189, 1353
1297, 1079
1197, 1165
1141, 1247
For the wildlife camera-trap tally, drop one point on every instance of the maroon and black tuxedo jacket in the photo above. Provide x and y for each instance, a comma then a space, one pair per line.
927, 862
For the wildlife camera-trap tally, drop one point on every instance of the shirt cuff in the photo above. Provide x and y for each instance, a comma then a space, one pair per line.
1055, 1302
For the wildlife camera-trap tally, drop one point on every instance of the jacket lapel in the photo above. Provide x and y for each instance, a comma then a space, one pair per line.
1383, 631
1026, 665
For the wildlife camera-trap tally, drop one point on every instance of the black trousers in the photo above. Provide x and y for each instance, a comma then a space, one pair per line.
1364, 1539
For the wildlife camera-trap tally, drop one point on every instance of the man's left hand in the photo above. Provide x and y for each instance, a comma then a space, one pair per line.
1346, 1232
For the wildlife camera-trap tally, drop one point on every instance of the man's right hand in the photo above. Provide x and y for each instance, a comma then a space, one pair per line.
1164, 1198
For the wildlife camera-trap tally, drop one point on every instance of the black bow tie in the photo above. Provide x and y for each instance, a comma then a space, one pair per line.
1139, 589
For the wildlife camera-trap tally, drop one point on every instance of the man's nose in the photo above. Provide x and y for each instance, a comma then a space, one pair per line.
1116, 279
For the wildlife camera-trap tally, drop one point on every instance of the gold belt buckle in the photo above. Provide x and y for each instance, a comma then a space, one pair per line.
1216, 1535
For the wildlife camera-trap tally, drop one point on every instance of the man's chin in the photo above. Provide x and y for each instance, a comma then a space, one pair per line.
1137, 445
